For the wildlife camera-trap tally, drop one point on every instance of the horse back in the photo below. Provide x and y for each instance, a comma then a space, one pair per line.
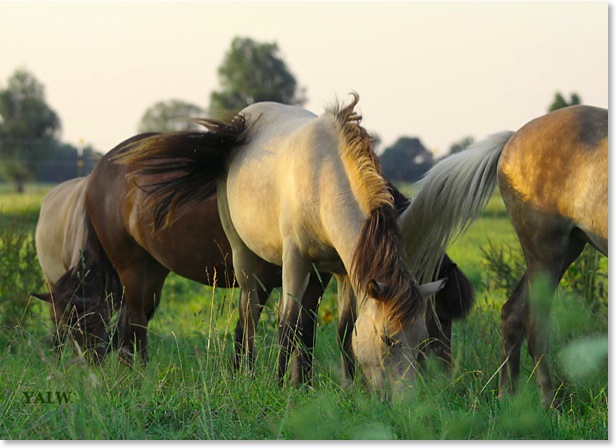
557, 164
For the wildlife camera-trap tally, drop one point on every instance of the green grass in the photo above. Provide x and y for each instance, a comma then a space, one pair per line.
189, 391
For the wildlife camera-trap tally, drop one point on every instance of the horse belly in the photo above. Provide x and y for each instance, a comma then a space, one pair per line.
254, 207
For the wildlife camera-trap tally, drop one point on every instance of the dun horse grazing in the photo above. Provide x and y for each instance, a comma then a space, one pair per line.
553, 178
298, 191
78, 297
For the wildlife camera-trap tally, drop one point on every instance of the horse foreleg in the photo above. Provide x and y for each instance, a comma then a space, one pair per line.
346, 324
295, 277
142, 289
133, 334
301, 364
543, 283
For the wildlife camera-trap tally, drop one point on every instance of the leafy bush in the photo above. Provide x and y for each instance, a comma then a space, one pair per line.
586, 277
20, 273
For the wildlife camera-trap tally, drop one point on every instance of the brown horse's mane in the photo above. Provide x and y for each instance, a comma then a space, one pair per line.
192, 161
377, 254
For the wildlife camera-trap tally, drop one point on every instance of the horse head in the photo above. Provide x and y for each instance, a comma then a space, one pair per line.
386, 350
80, 311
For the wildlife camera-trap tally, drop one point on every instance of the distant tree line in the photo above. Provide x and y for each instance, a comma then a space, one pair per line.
406, 160
30, 146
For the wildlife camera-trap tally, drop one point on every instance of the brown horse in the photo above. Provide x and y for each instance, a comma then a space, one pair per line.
553, 177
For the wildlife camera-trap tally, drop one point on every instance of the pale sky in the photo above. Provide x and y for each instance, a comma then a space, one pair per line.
439, 71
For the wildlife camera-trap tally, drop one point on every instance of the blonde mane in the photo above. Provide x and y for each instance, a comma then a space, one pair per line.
362, 166
377, 255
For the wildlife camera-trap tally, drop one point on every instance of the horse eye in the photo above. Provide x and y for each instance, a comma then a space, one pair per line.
389, 341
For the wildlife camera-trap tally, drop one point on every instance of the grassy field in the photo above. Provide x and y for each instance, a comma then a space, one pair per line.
188, 390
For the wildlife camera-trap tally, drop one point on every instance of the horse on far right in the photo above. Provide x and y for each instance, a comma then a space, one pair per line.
553, 178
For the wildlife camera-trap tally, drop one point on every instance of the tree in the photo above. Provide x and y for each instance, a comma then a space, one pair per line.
63, 162
170, 116
406, 160
28, 127
253, 72
461, 145
559, 101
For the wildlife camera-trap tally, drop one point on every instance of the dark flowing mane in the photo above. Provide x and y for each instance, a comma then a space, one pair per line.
85, 297
190, 163
377, 255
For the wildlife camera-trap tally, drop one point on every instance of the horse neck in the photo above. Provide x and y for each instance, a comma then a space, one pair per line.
344, 204
369, 247
342, 223
371, 252
370, 189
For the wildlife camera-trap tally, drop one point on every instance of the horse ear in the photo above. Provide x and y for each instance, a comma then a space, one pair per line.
428, 289
375, 289
45, 296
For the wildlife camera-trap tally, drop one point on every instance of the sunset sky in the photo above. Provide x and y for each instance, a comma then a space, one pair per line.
439, 70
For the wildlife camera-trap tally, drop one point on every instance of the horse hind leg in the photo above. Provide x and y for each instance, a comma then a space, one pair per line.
296, 271
544, 278
246, 266
252, 298
512, 316
251, 304
549, 248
